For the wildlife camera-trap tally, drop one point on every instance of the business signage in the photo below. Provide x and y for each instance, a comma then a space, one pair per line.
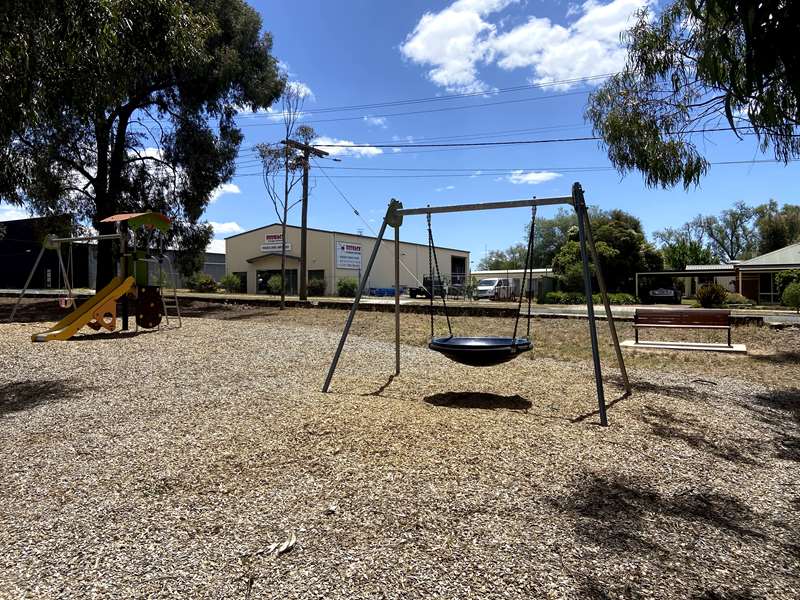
348, 255
274, 243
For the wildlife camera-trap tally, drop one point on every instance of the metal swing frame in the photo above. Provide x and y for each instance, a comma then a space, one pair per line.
394, 218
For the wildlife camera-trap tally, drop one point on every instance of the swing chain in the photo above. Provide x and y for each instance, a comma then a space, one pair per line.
525, 268
432, 290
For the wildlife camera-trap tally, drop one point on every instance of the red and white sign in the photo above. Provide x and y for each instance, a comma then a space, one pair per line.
274, 243
348, 255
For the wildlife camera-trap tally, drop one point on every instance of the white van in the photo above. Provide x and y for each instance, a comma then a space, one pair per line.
494, 289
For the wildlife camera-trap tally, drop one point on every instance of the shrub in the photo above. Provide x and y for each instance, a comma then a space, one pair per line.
316, 287
734, 298
791, 296
274, 284
711, 294
231, 283
577, 298
784, 279
200, 282
616, 298
347, 287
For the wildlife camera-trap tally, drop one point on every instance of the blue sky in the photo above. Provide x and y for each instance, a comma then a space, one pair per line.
356, 52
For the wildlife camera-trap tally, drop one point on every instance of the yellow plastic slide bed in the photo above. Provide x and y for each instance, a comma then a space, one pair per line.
94, 309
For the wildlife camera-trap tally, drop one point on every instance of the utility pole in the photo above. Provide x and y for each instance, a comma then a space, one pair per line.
307, 152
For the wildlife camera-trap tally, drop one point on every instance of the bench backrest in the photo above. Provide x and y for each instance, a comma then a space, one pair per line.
685, 316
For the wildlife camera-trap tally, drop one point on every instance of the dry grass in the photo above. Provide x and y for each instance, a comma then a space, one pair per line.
164, 464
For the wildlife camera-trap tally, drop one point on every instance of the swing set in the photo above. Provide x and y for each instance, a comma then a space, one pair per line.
493, 350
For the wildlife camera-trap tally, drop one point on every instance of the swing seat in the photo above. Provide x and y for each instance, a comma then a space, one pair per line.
480, 351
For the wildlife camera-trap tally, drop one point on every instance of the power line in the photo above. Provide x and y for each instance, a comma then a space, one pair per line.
444, 98
424, 111
495, 173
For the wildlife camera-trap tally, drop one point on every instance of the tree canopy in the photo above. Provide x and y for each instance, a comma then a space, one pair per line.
701, 64
686, 245
122, 105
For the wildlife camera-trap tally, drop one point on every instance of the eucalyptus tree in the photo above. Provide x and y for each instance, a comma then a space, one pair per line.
127, 105
699, 65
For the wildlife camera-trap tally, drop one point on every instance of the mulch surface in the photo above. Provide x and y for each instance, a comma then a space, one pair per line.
170, 464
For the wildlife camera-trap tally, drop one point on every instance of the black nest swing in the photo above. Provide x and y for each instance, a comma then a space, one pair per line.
480, 351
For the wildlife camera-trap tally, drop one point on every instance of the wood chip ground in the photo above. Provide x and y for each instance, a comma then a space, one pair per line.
204, 462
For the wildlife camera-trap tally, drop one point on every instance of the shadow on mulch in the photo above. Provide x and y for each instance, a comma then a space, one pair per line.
784, 416
666, 425
618, 512
110, 335
744, 594
778, 357
479, 400
32, 311
24, 395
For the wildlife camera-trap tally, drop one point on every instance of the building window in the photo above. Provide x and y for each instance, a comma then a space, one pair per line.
316, 274
767, 290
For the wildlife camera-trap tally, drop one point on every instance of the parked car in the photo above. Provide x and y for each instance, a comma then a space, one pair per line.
665, 295
440, 289
494, 289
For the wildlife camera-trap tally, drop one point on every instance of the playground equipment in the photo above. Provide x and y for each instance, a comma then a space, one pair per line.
458, 348
131, 285
481, 351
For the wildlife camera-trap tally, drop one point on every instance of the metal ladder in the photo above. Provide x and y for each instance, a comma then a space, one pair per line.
172, 302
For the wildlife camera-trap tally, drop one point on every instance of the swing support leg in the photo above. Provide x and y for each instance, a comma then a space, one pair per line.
362, 285
580, 209
27, 283
397, 300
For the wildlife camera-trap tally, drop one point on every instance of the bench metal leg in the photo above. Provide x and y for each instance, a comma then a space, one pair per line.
729, 338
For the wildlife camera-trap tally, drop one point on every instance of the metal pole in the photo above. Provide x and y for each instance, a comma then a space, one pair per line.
601, 282
27, 283
123, 241
303, 291
397, 300
580, 209
354, 308
429, 210
66, 276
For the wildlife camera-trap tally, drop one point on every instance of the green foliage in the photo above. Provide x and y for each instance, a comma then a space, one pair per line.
347, 287
734, 298
231, 283
578, 298
699, 62
777, 228
90, 86
512, 257
733, 234
711, 295
274, 284
791, 296
684, 246
621, 247
316, 287
200, 282
784, 279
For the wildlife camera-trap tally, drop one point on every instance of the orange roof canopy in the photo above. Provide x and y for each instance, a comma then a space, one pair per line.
148, 219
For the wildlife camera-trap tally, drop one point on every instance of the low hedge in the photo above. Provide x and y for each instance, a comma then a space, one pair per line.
578, 298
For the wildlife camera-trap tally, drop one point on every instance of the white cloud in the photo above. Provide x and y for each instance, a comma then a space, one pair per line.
453, 42
225, 188
456, 40
229, 228
302, 89
445, 188
217, 246
345, 147
12, 213
376, 121
532, 177
476, 174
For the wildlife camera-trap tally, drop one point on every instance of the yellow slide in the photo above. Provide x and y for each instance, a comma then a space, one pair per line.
95, 309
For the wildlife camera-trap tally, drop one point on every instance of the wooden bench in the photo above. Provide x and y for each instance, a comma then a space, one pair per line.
686, 318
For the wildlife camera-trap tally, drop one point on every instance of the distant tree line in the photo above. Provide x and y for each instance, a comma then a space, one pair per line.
738, 233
